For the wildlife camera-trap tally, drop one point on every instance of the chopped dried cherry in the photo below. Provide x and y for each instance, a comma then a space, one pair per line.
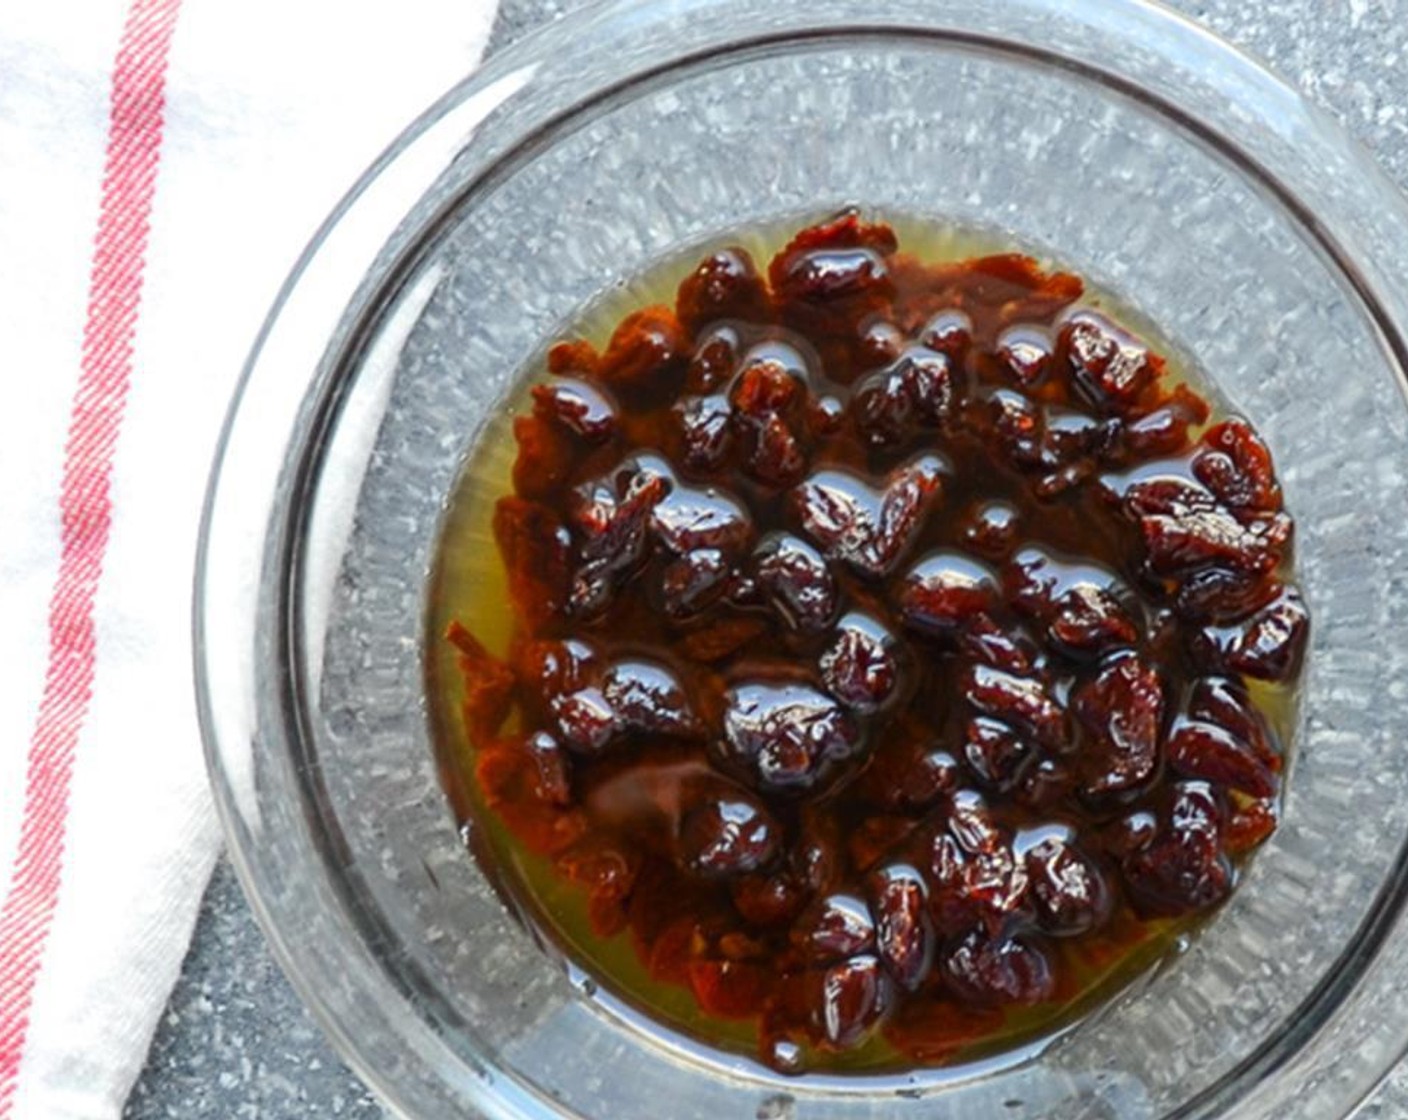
1009, 649
1185, 528
704, 427
1227, 704
797, 582
608, 873
1069, 892
1269, 645
1183, 868
917, 389
1248, 826
728, 836
648, 697
1023, 702
975, 873
946, 591
671, 951
1106, 363
726, 285
1224, 595
579, 407
1025, 354
609, 522
869, 529
1163, 431
688, 518
646, 354
488, 684
834, 928
552, 769
766, 395
535, 547
596, 707
729, 989
993, 971
855, 996
828, 276
1122, 711
995, 753
859, 667
1236, 466
904, 935
786, 738
573, 356
714, 362
1205, 750
1088, 621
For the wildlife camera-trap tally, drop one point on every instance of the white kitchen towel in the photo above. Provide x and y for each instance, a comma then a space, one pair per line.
162, 164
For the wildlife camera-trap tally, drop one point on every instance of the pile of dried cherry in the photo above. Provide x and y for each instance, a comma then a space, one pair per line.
882, 638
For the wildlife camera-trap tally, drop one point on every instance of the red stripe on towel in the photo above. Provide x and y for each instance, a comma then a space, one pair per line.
85, 507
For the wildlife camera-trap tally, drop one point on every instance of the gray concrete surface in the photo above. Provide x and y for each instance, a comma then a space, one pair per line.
235, 1043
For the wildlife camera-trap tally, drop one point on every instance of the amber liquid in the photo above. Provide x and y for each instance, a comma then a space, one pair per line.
469, 585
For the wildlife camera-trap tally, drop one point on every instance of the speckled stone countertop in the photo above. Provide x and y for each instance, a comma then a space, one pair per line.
235, 1042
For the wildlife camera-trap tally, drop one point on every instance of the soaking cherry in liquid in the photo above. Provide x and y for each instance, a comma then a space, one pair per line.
890, 648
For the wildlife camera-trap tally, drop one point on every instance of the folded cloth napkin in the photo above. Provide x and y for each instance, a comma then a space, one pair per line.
162, 163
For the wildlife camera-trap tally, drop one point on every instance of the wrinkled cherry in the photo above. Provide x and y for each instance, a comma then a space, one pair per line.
904, 935
869, 529
704, 426
1183, 868
1236, 466
728, 836
1226, 703
1121, 709
1268, 645
1205, 750
859, 667
1107, 364
1022, 702
1068, 891
855, 996
1025, 354
726, 285
797, 581
995, 753
945, 591
834, 928
991, 530
785, 737
996, 971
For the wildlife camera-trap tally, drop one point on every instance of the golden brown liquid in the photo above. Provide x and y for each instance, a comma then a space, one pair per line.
469, 584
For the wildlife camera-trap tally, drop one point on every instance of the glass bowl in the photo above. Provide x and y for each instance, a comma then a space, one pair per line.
1124, 142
